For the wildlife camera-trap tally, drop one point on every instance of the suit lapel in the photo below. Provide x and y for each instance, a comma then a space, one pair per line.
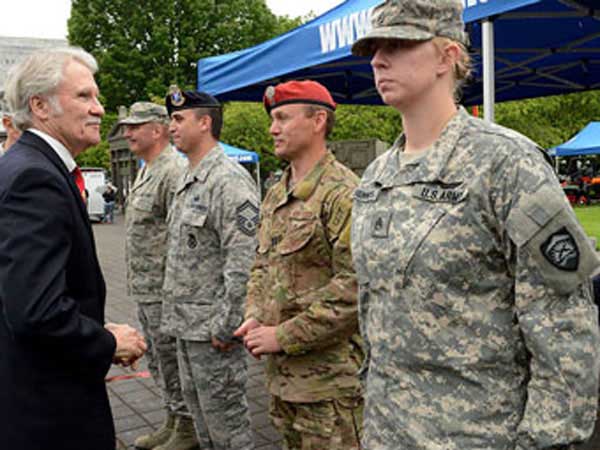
48, 152
41, 145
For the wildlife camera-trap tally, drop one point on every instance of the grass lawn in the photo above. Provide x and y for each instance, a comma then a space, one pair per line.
589, 216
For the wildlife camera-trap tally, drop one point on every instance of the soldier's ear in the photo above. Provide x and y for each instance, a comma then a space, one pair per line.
320, 117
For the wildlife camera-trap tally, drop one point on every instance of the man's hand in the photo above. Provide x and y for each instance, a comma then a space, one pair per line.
262, 340
244, 328
131, 345
222, 346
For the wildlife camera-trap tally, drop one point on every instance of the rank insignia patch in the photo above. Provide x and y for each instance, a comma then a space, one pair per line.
192, 242
561, 250
380, 224
247, 218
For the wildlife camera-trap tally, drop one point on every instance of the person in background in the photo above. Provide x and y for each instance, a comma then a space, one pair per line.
147, 133
474, 274
109, 195
12, 133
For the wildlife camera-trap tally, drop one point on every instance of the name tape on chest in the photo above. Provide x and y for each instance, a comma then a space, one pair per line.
440, 193
366, 195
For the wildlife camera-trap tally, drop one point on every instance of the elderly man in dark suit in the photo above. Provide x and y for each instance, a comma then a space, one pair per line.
55, 349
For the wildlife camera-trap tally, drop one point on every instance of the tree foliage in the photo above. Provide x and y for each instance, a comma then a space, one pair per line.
246, 125
550, 121
143, 47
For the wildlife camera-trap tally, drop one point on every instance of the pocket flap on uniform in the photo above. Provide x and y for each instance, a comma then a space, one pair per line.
142, 203
194, 220
530, 215
301, 227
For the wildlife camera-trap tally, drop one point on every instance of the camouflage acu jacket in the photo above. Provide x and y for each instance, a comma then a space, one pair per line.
303, 282
146, 225
474, 297
212, 227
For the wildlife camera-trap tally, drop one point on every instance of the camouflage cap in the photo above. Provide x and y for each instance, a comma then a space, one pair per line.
143, 112
415, 20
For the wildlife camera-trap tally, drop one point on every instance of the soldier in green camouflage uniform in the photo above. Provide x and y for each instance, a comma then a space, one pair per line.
474, 292
149, 198
212, 227
301, 305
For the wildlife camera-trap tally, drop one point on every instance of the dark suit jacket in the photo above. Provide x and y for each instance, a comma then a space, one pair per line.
54, 350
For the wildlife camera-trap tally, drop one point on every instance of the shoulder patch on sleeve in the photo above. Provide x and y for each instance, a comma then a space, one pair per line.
560, 249
247, 218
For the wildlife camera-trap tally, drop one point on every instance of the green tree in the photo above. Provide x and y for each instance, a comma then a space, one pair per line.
550, 121
143, 47
246, 125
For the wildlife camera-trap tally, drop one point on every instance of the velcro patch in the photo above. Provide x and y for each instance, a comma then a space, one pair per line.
561, 250
366, 195
247, 218
440, 193
380, 224
340, 216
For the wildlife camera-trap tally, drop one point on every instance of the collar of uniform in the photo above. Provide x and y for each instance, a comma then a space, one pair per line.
158, 162
278, 192
205, 166
429, 168
162, 157
307, 185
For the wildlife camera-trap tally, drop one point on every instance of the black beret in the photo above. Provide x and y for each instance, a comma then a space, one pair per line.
177, 100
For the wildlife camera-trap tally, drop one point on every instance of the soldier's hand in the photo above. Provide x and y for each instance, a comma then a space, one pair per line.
244, 328
262, 340
222, 346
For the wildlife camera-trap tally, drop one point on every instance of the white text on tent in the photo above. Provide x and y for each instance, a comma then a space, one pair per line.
345, 30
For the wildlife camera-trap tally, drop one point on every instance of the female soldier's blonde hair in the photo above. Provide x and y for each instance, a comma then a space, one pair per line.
463, 66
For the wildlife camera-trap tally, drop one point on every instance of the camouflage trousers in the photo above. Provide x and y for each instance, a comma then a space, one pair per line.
326, 425
214, 388
162, 358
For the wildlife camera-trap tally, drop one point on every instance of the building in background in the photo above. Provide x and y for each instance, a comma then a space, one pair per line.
12, 50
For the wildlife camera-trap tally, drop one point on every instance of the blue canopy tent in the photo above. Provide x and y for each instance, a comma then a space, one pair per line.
586, 142
542, 47
239, 155
243, 157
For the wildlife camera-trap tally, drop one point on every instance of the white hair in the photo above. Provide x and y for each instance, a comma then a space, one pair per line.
40, 73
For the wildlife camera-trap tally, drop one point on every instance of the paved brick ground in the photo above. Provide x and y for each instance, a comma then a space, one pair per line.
136, 402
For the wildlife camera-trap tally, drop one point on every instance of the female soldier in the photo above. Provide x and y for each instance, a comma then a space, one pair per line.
474, 273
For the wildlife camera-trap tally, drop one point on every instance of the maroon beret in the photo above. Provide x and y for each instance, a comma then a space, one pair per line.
308, 92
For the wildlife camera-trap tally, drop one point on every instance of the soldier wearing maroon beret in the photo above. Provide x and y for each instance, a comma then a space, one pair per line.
301, 302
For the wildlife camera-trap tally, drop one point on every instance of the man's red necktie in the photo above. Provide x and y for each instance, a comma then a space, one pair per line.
79, 181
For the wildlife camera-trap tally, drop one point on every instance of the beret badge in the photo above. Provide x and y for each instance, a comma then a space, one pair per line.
270, 94
177, 98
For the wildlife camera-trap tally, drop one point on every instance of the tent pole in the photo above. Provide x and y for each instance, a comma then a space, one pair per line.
258, 181
489, 87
